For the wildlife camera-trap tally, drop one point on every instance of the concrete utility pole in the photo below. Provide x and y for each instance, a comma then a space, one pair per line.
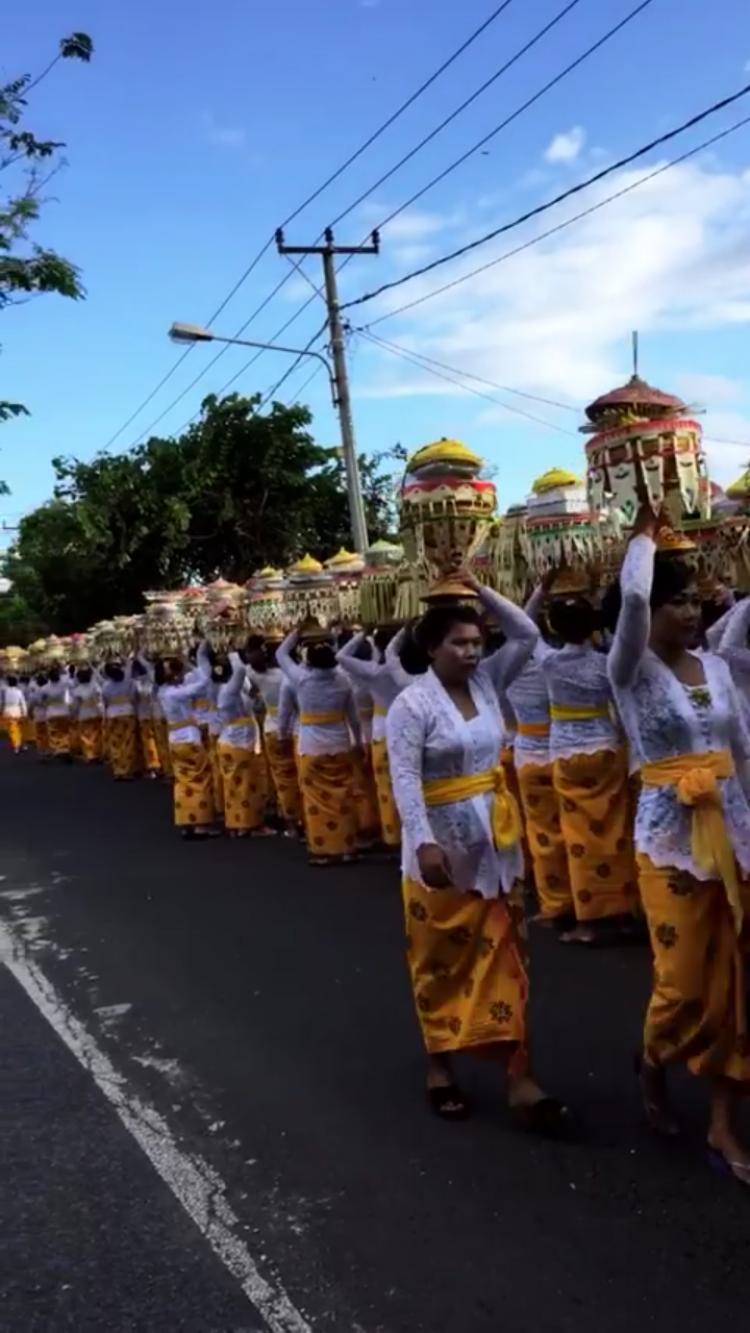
341, 379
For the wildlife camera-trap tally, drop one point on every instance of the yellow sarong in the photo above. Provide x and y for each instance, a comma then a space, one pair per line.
243, 776
328, 802
29, 731
365, 798
695, 778
161, 727
14, 730
193, 785
467, 961
505, 816
58, 735
596, 821
283, 768
42, 736
541, 808
122, 746
150, 757
212, 745
390, 823
90, 739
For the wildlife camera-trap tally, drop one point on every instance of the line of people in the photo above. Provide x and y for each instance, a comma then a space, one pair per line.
596, 750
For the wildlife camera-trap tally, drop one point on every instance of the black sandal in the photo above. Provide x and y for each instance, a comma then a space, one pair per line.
548, 1118
448, 1102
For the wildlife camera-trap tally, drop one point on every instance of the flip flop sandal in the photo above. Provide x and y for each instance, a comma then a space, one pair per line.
448, 1102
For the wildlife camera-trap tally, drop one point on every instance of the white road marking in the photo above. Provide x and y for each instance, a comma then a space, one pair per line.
196, 1185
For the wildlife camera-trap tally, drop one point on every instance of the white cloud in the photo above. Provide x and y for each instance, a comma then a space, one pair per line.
566, 147
414, 224
222, 136
669, 257
699, 388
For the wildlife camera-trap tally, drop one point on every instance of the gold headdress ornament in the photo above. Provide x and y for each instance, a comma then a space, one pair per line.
669, 542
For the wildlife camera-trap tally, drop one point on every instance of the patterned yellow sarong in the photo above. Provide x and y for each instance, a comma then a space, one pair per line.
162, 739
13, 727
193, 786
596, 820
243, 776
543, 832
467, 962
330, 813
122, 746
390, 821
365, 798
90, 739
29, 731
42, 737
697, 1011
58, 735
212, 745
150, 757
283, 768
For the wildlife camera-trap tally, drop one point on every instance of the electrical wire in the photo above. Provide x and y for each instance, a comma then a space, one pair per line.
522, 51
561, 226
479, 379
381, 129
607, 36
298, 392
558, 199
478, 393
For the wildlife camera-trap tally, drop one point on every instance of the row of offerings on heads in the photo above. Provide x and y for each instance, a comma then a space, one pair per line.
643, 445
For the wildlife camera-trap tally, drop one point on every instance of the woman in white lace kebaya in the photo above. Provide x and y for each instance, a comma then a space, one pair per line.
328, 734
461, 856
590, 769
683, 719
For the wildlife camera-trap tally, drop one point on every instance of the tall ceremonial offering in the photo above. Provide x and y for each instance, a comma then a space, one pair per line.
446, 513
266, 607
560, 528
380, 583
723, 540
346, 569
311, 592
645, 447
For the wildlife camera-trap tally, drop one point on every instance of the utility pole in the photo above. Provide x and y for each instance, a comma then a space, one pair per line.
328, 252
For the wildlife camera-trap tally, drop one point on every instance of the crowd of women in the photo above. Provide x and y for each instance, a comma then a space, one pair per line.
592, 748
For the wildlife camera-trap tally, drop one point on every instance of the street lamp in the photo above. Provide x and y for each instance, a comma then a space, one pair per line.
195, 333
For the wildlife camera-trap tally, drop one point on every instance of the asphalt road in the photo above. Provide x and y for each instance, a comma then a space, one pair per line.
260, 1011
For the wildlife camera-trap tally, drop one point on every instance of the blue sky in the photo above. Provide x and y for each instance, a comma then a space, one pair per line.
197, 129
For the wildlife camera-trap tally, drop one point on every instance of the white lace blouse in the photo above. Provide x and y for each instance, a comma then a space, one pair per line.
234, 709
268, 683
428, 738
319, 691
382, 682
576, 677
57, 697
732, 646
661, 719
87, 700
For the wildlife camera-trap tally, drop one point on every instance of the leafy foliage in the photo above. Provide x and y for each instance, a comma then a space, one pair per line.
238, 489
26, 268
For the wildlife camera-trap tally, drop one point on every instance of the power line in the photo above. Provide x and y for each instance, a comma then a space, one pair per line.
557, 18
381, 129
476, 147
478, 393
558, 199
612, 32
561, 226
271, 393
298, 392
491, 384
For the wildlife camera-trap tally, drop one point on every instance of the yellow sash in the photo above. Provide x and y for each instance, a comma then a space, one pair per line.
379, 711
202, 705
241, 722
695, 778
533, 729
119, 699
562, 713
506, 820
320, 719
272, 709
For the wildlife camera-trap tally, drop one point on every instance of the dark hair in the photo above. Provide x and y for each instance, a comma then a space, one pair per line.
221, 671
383, 636
114, 671
41, 678
321, 656
84, 674
138, 668
572, 619
164, 669
437, 623
11, 680
254, 642
671, 577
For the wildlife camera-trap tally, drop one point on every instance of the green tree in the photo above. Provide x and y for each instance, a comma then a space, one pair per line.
235, 491
27, 164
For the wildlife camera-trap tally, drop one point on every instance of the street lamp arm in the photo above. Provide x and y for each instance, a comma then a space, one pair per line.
193, 333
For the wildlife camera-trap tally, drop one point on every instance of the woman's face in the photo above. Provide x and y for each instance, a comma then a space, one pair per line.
456, 658
677, 624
